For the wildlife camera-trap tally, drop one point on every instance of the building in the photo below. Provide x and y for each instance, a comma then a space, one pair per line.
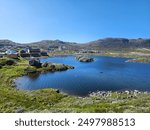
23, 53
34, 52
53, 48
9, 52
43, 53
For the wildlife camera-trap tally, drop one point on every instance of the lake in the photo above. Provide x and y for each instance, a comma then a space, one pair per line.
104, 74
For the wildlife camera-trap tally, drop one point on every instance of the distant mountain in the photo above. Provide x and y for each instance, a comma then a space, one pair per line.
7, 43
101, 44
49, 43
118, 43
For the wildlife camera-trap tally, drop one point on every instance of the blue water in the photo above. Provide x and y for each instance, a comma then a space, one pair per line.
105, 73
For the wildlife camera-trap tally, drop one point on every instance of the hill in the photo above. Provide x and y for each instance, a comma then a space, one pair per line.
101, 44
118, 44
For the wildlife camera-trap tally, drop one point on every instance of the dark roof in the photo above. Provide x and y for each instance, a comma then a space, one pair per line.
35, 50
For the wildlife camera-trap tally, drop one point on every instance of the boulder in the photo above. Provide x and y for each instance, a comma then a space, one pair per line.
84, 59
35, 62
20, 110
45, 64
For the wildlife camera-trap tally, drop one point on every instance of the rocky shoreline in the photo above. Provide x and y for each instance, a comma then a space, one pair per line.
127, 93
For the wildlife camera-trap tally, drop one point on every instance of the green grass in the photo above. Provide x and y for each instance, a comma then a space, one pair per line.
143, 60
48, 100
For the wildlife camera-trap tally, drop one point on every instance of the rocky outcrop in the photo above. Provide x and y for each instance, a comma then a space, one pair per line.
47, 67
84, 58
44, 64
35, 62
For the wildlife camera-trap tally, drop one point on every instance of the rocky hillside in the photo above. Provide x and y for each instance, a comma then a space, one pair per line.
101, 44
118, 43
7, 43
50, 43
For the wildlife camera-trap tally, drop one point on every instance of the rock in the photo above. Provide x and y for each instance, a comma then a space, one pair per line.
127, 92
13, 83
70, 67
57, 91
84, 58
30, 70
20, 110
101, 94
35, 62
45, 64
52, 67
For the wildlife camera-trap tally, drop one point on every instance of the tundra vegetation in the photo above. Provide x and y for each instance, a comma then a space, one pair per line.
51, 100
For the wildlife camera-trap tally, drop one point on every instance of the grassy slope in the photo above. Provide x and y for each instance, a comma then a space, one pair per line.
48, 100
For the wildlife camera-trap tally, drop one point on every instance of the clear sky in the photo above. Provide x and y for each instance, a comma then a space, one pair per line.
73, 20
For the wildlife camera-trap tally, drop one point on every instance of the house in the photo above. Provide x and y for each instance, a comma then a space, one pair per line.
23, 53
9, 52
34, 52
53, 48
43, 53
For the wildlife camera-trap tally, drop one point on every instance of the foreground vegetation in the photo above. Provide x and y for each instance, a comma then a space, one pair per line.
50, 100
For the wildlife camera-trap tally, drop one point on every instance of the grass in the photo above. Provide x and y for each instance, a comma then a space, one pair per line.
142, 60
49, 100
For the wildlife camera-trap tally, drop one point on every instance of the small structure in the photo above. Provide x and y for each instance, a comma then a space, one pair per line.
43, 53
34, 52
23, 53
53, 48
9, 52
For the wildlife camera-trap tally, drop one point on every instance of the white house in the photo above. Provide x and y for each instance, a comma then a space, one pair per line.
9, 52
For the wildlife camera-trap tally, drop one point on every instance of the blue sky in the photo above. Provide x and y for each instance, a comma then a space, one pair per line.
73, 20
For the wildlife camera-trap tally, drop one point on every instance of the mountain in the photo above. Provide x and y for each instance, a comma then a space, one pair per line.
7, 43
44, 44
101, 44
118, 43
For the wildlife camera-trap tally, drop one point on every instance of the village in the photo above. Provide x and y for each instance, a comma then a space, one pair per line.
15, 51
12, 52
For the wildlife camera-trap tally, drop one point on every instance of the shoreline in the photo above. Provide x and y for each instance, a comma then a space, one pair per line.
138, 58
50, 100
